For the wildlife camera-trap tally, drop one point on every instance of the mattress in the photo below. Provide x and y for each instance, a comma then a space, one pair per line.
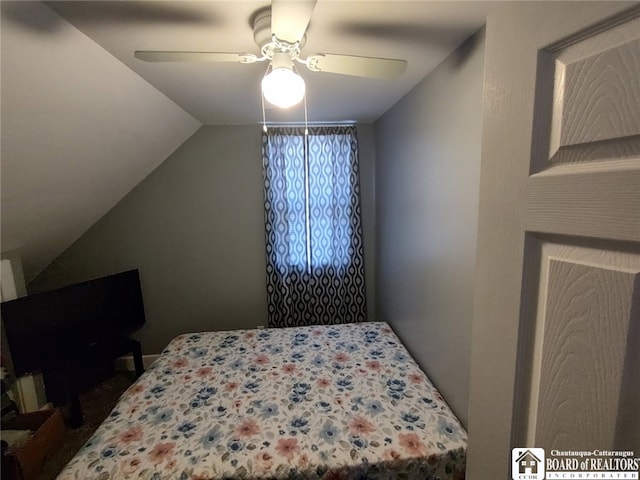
338, 402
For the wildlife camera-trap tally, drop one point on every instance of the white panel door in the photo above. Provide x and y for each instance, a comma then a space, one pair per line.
556, 329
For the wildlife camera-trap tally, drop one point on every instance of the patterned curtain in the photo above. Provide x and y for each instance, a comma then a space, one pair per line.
315, 260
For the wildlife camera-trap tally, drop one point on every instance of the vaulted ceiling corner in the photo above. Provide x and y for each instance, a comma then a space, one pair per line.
79, 131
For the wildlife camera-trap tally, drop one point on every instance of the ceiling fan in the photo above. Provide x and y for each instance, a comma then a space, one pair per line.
280, 32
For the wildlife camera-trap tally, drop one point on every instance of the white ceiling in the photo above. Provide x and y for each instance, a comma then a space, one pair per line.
79, 131
81, 126
422, 32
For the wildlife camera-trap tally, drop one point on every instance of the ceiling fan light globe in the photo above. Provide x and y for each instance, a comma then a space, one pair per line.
283, 88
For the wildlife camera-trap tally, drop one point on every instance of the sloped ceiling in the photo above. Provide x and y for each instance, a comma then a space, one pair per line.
79, 131
83, 121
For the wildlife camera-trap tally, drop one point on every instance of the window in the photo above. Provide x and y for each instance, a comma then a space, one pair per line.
314, 198
315, 261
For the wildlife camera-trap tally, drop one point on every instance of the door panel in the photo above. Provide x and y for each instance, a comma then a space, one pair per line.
586, 326
582, 327
598, 99
581, 363
556, 330
587, 95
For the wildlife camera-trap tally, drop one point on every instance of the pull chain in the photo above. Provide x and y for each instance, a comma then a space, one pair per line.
264, 115
306, 185
306, 120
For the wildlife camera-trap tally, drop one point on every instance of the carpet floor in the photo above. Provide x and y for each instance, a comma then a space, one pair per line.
97, 403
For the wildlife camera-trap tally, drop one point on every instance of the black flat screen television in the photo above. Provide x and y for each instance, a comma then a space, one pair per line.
45, 328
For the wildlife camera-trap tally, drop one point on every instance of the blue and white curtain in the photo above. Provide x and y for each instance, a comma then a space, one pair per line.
315, 260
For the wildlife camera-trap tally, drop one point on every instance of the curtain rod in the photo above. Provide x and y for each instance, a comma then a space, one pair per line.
311, 124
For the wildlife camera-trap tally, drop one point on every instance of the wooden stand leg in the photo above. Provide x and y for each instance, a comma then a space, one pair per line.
137, 358
75, 408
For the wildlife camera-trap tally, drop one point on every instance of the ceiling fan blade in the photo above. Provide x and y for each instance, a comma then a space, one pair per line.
164, 56
357, 66
289, 19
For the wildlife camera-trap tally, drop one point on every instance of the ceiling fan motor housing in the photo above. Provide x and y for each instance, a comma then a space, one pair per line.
262, 35
261, 23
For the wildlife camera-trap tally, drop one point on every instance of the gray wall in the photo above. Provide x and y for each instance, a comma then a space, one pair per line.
427, 183
367, 157
195, 229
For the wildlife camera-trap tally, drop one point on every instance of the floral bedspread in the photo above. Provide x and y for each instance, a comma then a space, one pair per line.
321, 402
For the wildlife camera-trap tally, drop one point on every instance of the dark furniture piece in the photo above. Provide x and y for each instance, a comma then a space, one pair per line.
73, 334
82, 368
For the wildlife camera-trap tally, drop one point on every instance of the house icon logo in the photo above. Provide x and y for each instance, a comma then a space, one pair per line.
527, 464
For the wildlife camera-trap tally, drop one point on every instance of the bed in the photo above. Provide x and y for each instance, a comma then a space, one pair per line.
320, 402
